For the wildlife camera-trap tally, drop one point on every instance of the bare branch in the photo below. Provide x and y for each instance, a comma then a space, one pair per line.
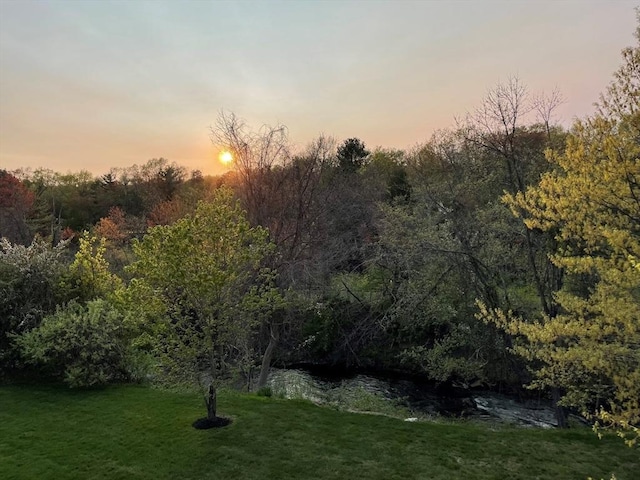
545, 105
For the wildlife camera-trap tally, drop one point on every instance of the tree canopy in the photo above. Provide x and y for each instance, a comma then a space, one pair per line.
590, 202
206, 273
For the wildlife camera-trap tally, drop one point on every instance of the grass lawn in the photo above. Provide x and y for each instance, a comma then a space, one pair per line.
134, 432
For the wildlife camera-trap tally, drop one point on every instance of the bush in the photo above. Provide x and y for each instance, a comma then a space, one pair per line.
85, 345
30, 289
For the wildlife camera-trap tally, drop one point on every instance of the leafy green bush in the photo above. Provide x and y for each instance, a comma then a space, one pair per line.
30, 288
85, 345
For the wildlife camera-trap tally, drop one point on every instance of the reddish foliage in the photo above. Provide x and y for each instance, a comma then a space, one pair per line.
16, 201
13, 194
68, 233
166, 213
113, 227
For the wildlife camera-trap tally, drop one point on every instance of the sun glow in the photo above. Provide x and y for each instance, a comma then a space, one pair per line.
225, 157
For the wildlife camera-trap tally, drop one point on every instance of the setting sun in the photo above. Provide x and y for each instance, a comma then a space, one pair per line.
226, 157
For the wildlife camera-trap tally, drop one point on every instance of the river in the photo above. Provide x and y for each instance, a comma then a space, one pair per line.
407, 398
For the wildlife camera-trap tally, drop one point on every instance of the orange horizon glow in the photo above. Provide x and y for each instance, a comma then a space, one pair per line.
417, 82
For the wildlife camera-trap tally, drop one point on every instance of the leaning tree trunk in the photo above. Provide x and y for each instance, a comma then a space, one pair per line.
268, 355
212, 402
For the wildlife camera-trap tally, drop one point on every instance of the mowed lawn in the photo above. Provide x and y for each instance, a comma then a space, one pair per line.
135, 432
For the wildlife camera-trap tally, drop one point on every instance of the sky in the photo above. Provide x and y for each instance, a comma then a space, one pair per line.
96, 84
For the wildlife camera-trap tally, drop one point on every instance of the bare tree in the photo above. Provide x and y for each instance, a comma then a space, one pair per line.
545, 106
255, 154
282, 192
499, 126
495, 123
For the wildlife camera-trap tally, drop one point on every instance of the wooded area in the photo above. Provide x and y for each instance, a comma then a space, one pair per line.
502, 253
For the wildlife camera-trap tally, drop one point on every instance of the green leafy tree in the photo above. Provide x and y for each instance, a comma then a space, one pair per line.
89, 276
498, 128
206, 272
590, 202
451, 243
386, 172
429, 282
351, 155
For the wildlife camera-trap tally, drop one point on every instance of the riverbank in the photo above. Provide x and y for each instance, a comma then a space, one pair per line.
133, 432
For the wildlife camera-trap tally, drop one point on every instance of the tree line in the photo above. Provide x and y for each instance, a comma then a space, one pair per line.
504, 252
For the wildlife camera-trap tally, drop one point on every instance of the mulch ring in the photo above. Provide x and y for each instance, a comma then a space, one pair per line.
206, 423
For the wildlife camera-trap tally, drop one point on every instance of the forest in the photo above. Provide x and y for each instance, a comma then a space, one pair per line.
503, 253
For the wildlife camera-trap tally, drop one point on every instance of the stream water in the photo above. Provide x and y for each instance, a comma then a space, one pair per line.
386, 394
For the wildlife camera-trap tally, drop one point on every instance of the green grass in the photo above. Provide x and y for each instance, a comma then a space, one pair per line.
141, 433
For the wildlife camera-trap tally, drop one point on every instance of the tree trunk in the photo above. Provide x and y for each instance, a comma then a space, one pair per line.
561, 416
212, 402
268, 355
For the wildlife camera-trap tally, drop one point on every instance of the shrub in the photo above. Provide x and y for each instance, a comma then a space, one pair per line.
30, 289
85, 345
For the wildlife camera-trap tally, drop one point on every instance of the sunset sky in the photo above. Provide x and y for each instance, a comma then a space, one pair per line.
99, 84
